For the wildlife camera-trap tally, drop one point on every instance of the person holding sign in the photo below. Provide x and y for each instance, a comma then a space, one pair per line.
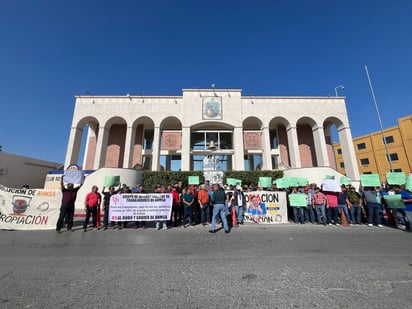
69, 196
371, 198
91, 203
297, 201
354, 202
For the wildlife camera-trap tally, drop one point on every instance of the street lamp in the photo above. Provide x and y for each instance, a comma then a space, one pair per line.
338, 87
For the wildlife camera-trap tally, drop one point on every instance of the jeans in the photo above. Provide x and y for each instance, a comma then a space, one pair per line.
239, 214
321, 213
310, 214
333, 215
205, 213
188, 211
219, 210
106, 217
66, 211
90, 211
355, 212
373, 213
345, 211
299, 211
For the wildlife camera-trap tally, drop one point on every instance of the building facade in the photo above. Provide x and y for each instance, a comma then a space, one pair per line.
216, 129
371, 154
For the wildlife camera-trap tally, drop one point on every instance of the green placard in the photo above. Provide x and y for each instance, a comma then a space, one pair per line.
292, 182
282, 183
232, 181
265, 182
370, 180
193, 180
303, 182
111, 181
394, 201
344, 181
408, 185
396, 178
329, 177
297, 200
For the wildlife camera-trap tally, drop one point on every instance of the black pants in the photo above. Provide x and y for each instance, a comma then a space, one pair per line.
90, 211
66, 211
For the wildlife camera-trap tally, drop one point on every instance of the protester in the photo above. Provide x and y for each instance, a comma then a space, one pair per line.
332, 207
372, 201
218, 200
319, 203
342, 205
69, 196
355, 205
204, 202
240, 204
91, 203
106, 206
175, 206
298, 212
188, 200
406, 197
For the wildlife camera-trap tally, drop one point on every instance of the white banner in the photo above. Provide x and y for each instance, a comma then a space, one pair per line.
140, 207
29, 209
266, 207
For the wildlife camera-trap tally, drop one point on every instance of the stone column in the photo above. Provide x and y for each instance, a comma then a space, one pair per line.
156, 150
294, 153
348, 152
101, 148
266, 155
239, 154
73, 147
128, 147
185, 149
320, 147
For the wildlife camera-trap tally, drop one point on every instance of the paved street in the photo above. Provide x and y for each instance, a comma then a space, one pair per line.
254, 266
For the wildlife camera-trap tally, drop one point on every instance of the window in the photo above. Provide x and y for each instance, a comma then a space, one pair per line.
364, 161
274, 141
388, 139
397, 170
170, 163
148, 139
201, 140
253, 162
361, 146
211, 163
275, 162
367, 173
394, 157
147, 163
342, 165
339, 151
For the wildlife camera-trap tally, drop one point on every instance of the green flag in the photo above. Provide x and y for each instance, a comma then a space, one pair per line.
344, 181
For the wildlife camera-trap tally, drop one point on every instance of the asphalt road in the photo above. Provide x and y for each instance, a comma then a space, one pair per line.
254, 266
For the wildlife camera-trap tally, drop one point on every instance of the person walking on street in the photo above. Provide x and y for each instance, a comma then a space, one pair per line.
218, 200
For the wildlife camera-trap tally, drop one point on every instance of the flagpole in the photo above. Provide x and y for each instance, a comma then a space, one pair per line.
380, 121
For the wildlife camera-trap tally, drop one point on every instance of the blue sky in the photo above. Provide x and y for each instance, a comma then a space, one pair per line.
52, 50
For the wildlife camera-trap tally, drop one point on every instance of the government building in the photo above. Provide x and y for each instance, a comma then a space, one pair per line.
213, 130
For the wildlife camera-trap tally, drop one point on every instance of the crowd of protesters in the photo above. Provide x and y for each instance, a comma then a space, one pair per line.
364, 206
209, 205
